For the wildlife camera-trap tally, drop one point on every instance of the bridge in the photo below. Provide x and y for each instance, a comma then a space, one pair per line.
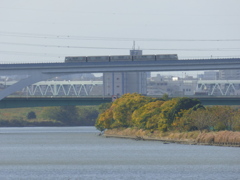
62, 93
41, 71
57, 88
17, 102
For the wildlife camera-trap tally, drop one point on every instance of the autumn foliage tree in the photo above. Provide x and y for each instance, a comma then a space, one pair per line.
222, 117
211, 118
146, 117
120, 112
135, 110
125, 106
164, 114
170, 111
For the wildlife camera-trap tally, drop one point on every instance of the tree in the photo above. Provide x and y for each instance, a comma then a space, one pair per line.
103, 107
124, 107
146, 117
222, 117
236, 124
105, 120
31, 115
119, 114
68, 115
201, 119
87, 116
170, 110
184, 119
165, 97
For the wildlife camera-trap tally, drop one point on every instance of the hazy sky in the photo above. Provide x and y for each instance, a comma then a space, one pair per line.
49, 30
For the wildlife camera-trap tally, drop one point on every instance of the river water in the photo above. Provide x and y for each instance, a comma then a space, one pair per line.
79, 153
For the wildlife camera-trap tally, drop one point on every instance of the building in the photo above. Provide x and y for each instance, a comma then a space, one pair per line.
229, 74
171, 85
210, 75
119, 83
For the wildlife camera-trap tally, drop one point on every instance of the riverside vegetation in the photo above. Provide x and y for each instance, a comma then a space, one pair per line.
178, 119
49, 116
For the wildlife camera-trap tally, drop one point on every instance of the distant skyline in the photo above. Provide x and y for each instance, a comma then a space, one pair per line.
49, 30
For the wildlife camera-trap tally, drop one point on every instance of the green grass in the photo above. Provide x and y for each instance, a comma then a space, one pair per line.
20, 113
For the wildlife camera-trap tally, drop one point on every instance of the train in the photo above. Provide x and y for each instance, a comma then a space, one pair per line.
157, 57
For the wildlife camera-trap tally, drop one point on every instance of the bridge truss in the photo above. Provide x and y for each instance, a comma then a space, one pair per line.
219, 87
62, 88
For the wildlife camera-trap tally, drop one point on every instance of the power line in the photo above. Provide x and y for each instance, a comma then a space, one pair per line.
120, 48
31, 54
50, 36
60, 46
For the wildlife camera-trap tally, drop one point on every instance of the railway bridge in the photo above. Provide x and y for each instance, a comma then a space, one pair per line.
36, 72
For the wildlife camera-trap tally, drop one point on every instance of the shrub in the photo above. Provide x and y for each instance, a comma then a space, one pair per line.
31, 115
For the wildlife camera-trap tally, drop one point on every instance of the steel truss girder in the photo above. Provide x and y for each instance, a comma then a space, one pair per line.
59, 90
222, 88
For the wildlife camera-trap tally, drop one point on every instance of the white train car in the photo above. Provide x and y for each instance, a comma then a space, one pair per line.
157, 57
166, 57
144, 58
98, 59
120, 58
75, 59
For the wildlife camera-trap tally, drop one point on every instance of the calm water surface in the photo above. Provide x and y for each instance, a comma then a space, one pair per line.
79, 153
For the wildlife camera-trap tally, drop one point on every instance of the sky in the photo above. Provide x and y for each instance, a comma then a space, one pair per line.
49, 30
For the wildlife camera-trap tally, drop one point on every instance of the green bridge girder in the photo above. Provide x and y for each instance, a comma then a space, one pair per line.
18, 102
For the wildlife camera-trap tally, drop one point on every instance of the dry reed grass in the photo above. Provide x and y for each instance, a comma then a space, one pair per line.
214, 138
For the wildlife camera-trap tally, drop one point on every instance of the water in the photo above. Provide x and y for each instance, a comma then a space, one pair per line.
79, 153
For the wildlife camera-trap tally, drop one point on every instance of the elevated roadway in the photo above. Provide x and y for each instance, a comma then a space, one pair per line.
124, 66
41, 71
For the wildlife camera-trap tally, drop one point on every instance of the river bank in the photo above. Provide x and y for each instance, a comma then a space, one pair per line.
221, 138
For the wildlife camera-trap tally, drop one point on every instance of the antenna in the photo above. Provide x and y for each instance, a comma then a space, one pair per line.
133, 45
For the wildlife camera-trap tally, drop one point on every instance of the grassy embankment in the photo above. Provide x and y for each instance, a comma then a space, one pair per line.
221, 138
49, 116
18, 117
